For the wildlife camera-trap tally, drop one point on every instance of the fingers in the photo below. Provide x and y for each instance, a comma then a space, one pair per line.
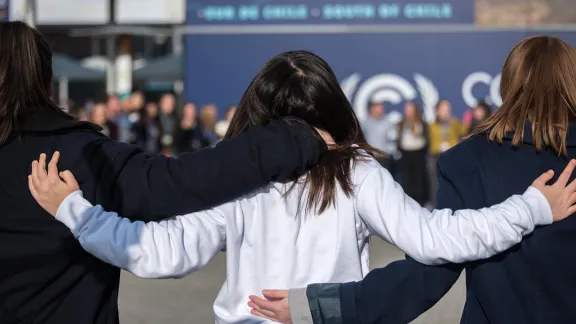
571, 186
32, 188
275, 294
53, 167
41, 167
262, 312
257, 313
34, 175
68, 177
572, 199
566, 174
262, 303
543, 179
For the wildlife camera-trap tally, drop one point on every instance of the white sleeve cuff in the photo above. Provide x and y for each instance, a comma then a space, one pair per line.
72, 211
539, 206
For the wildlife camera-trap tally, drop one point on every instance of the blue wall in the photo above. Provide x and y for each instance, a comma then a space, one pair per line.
389, 67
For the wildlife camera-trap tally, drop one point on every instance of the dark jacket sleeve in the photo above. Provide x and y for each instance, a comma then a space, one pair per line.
153, 188
397, 293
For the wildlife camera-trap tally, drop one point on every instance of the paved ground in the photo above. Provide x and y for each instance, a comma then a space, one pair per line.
189, 300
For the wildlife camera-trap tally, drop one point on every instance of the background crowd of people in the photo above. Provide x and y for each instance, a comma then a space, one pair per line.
413, 145
157, 127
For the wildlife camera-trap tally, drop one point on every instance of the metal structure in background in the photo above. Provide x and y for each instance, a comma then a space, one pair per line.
67, 69
115, 31
116, 21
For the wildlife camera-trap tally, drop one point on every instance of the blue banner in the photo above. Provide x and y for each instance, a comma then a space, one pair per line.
393, 68
214, 12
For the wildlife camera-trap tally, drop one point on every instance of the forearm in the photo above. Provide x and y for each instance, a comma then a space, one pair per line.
154, 188
471, 235
443, 236
173, 248
395, 294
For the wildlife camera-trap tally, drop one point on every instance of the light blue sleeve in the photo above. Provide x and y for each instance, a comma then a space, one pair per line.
168, 249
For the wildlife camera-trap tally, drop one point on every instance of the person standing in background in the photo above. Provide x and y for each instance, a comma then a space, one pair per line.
188, 136
118, 117
125, 113
168, 121
146, 132
113, 113
134, 107
479, 113
114, 107
222, 126
379, 133
82, 114
100, 118
413, 146
208, 118
444, 133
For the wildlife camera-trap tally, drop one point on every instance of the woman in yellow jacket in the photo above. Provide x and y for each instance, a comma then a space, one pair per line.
444, 133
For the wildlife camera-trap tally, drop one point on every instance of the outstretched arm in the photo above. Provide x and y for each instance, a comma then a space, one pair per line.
171, 248
443, 236
153, 188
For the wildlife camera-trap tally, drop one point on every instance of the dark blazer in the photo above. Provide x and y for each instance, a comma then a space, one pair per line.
533, 282
45, 276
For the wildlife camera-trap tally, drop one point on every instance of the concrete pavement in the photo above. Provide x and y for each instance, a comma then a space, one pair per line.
189, 300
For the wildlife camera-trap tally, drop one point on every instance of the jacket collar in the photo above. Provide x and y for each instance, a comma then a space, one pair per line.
46, 120
528, 139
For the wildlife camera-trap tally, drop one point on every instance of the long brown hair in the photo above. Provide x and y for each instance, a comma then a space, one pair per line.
417, 121
539, 86
301, 85
25, 75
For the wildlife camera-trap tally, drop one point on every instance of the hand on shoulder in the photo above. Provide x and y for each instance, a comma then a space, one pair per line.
50, 188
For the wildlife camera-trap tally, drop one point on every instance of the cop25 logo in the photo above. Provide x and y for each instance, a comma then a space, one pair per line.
395, 89
474, 79
389, 88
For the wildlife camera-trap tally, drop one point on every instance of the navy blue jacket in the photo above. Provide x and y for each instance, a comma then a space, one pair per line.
533, 282
45, 275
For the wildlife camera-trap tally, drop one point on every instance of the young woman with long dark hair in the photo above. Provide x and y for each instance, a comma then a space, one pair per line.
147, 131
45, 276
313, 228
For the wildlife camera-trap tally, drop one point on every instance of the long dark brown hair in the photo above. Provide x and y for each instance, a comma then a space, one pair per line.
300, 85
25, 75
539, 86
417, 121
